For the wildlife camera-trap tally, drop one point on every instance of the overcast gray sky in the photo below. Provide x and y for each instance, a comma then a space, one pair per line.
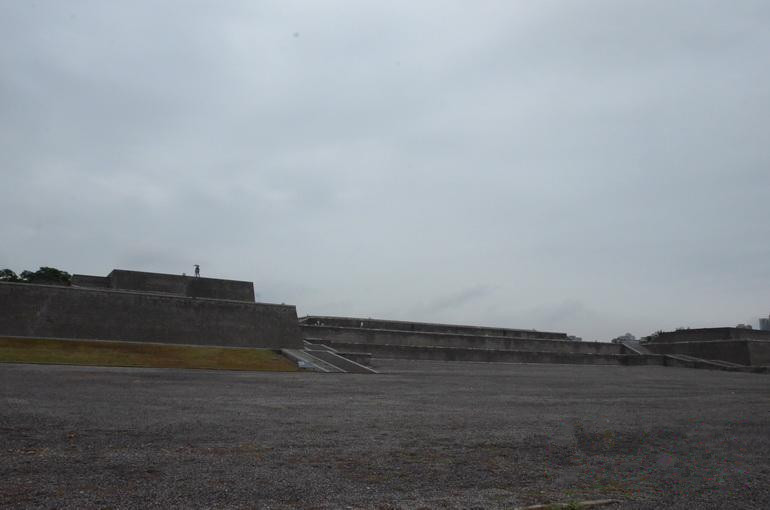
593, 167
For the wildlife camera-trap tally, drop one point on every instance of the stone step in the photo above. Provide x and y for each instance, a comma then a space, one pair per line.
308, 361
342, 363
636, 347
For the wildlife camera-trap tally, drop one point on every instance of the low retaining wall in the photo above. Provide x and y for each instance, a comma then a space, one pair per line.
483, 355
710, 334
427, 327
759, 352
100, 314
743, 352
369, 337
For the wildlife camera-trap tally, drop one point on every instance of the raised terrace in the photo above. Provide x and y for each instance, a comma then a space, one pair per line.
180, 285
734, 345
148, 307
372, 340
449, 342
426, 327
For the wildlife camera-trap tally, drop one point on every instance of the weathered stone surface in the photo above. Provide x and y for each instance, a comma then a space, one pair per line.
735, 345
427, 327
102, 314
368, 337
743, 352
190, 286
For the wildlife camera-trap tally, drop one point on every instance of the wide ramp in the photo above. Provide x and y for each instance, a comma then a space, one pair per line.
342, 363
323, 358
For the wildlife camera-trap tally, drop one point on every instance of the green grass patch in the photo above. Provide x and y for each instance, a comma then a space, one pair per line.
137, 354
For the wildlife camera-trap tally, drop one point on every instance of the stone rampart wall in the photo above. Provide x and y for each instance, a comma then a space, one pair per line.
710, 334
483, 355
87, 280
733, 351
100, 314
424, 327
418, 339
190, 286
760, 353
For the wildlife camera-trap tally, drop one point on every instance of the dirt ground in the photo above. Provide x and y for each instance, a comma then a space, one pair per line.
420, 435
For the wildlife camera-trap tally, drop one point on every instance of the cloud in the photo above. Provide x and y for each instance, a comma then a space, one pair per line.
448, 305
440, 161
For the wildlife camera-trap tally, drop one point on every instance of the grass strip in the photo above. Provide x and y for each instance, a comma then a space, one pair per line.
138, 354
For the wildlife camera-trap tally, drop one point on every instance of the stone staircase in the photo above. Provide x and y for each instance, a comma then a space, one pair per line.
687, 361
636, 348
326, 359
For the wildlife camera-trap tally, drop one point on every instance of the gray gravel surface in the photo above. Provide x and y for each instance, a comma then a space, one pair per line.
420, 435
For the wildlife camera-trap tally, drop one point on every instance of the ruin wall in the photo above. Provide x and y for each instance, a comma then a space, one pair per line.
46, 311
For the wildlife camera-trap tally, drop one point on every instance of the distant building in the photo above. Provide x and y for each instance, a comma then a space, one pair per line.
764, 324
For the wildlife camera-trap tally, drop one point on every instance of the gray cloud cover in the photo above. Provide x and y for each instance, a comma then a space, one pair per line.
593, 167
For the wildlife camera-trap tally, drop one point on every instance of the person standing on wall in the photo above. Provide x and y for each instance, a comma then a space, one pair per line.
197, 270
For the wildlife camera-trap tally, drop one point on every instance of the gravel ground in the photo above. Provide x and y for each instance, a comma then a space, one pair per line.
421, 435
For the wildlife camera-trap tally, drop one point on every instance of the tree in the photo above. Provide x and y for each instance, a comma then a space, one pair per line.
47, 275
628, 337
6, 275
651, 336
44, 275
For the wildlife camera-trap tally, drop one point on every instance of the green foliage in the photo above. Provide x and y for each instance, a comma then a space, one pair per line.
44, 275
6, 275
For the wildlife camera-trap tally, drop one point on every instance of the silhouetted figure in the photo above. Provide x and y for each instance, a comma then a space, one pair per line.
197, 270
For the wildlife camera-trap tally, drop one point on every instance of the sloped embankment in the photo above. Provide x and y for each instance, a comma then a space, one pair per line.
139, 354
